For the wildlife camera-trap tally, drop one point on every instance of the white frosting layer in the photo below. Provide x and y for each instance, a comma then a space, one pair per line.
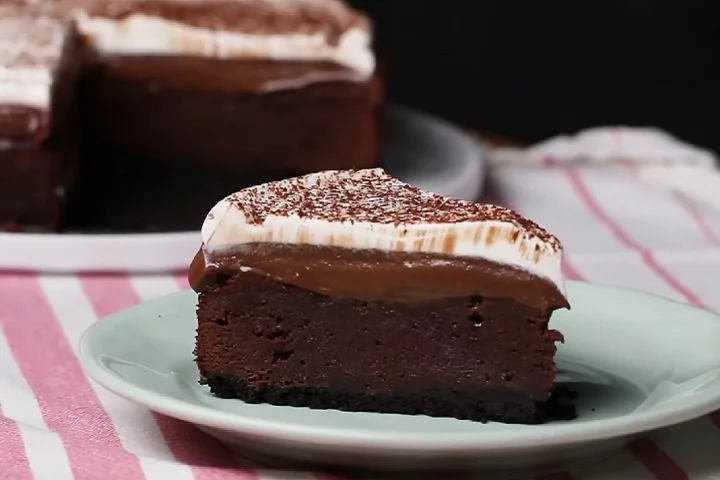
25, 86
146, 35
30, 49
227, 227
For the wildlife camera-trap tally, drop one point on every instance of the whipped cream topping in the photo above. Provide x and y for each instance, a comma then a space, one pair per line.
140, 34
25, 86
32, 35
30, 48
368, 209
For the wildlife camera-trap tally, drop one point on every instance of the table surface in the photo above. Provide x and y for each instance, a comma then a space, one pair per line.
56, 424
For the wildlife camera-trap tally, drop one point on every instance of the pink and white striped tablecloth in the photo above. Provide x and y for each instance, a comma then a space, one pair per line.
55, 424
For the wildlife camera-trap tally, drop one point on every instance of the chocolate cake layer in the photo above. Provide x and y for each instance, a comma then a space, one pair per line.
472, 357
31, 187
200, 143
324, 125
23, 123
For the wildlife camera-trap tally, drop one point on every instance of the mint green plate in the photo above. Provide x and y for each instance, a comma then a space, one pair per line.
638, 362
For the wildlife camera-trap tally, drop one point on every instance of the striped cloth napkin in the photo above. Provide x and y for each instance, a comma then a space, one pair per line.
652, 155
617, 229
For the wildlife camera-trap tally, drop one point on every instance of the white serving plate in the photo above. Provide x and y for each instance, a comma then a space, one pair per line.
625, 353
417, 148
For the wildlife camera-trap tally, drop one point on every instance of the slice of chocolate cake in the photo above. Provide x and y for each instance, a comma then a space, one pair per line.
351, 290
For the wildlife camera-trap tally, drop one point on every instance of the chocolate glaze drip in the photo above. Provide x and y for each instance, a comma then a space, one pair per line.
377, 275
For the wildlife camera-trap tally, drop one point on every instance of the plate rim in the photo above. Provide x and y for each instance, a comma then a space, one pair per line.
532, 436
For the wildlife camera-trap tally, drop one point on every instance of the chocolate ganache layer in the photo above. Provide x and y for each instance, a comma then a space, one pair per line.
378, 275
477, 358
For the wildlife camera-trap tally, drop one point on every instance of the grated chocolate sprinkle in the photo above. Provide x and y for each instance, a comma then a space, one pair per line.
370, 196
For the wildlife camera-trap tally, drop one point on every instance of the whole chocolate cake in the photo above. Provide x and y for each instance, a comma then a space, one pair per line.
102, 102
351, 290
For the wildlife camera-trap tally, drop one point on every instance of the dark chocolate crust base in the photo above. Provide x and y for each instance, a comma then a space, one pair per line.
481, 405
472, 357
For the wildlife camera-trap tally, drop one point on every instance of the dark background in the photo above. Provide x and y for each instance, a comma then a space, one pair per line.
529, 69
